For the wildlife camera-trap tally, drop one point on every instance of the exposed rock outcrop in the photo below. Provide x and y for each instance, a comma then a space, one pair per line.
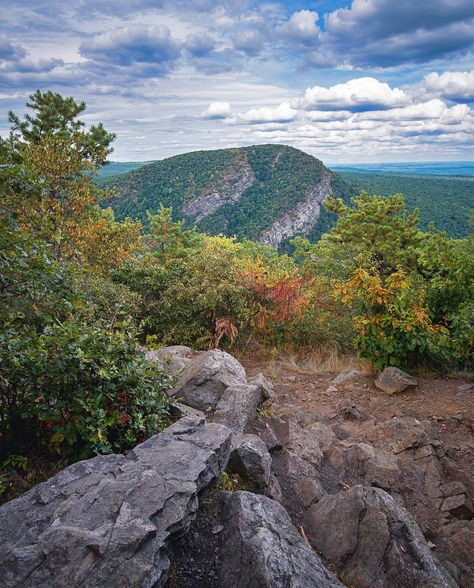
374, 540
262, 548
112, 520
229, 189
207, 377
250, 459
238, 406
302, 218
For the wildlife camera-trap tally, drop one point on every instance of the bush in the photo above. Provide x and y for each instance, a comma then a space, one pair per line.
78, 390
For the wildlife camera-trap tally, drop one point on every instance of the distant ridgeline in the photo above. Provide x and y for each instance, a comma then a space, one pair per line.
268, 193
271, 193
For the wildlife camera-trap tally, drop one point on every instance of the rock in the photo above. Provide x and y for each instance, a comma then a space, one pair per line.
273, 490
181, 410
349, 410
173, 359
250, 459
393, 381
206, 378
331, 390
458, 505
112, 520
238, 406
262, 548
467, 387
311, 442
269, 438
359, 463
173, 351
399, 434
347, 376
266, 387
453, 489
375, 541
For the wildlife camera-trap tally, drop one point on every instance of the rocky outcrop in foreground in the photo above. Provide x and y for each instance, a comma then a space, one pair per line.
112, 520
262, 548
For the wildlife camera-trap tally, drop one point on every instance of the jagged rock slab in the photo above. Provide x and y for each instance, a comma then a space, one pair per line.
266, 386
376, 542
238, 407
111, 521
206, 378
392, 380
262, 548
250, 459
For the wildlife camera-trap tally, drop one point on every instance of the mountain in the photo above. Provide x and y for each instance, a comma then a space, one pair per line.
264, 192
448, 201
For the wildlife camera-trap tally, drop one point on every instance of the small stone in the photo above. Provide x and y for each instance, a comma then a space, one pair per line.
217, 529
331, 390
466, 387
393, 380
453, 489
346, 376
459, 505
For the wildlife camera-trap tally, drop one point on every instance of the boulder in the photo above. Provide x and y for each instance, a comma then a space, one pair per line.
458, 505
393, 381
179, 410
350, 410
206, 378
112, 520
374, 540
250, 459
173, 359
347, 376
262, 548
237, 407
266, 387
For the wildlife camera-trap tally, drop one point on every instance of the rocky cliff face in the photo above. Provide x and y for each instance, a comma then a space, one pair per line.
228, 189
302, 218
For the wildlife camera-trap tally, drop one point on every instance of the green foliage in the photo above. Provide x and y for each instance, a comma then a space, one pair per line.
448, 202
283, 176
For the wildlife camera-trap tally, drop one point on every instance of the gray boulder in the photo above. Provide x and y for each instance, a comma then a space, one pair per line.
173, 359
376, 542
250, 459
238, 407
393, 381
262, 548
112, 520
206, 377
266, 386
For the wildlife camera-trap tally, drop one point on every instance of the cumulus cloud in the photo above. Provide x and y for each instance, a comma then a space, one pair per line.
199, 44
217, 110
452, 85
356, 95
249, 42
134, 44
383, 33
301, 28
281, 114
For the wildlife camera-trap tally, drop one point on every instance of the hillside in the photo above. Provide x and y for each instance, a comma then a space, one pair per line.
264, 192
448, 202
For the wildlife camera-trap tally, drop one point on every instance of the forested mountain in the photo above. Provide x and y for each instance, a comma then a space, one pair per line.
264, 192
446, 201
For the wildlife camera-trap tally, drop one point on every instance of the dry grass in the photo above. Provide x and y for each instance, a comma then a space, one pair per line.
323, 360
318, 360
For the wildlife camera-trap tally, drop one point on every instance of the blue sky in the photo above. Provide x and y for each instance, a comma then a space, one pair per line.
353, 81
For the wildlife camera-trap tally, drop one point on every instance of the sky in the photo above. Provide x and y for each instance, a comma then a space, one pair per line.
347, 81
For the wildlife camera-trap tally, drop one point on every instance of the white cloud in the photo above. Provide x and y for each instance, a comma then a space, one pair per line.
453, 85
355, 95
281, 114
301, 27
217, 110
